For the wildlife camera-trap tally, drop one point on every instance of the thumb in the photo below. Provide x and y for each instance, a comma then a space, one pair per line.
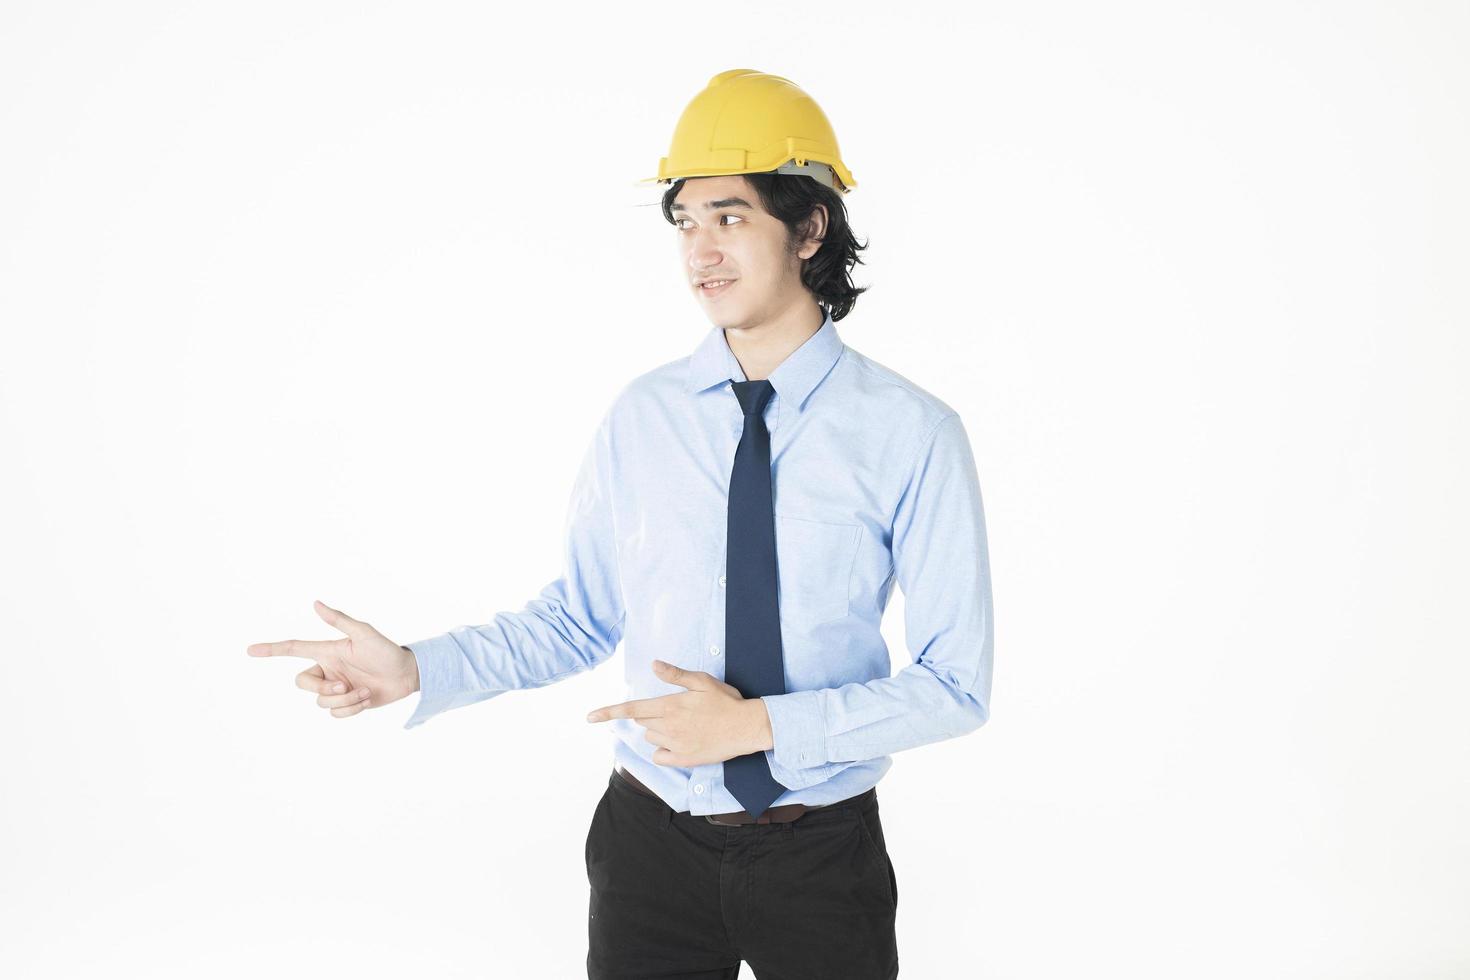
692, 679
338, 619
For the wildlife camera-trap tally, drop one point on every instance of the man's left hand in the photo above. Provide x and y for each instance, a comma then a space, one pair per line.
709, 722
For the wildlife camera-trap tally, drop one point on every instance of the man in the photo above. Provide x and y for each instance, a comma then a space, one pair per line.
738, 522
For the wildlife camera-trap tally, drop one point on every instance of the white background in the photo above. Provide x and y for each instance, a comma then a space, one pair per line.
307, 300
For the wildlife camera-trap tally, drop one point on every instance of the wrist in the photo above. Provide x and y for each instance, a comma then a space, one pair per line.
411, 669
764, 738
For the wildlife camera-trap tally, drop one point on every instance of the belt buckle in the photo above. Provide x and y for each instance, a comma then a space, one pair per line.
793, 812
710, 818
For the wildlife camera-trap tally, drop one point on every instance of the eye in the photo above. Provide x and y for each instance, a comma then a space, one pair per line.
722, 218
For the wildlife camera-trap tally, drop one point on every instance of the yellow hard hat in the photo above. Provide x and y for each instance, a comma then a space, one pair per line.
747, 122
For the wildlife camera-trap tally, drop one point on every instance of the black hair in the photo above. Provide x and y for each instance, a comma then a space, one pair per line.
791, 198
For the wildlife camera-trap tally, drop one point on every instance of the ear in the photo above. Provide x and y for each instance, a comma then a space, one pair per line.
817, 221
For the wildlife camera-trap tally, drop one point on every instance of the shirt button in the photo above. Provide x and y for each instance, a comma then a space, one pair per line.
722, 581
714, 651
698, 787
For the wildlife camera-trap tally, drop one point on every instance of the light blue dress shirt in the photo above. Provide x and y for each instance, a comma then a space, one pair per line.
874, 483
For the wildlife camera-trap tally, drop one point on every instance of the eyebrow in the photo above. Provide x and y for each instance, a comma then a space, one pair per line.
724, 202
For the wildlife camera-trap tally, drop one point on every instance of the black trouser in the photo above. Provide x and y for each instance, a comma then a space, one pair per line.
678, 898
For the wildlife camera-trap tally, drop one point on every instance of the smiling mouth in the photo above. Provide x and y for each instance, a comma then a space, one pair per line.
718, 286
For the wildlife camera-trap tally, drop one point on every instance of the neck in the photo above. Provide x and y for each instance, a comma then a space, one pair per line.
760, 349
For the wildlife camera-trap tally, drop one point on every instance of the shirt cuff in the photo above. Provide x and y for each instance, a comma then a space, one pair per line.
799, 737
441, 662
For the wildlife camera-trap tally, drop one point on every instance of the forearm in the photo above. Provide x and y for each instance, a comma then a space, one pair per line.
553, 638
856, 721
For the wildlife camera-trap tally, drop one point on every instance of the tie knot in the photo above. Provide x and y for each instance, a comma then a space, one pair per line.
753, 395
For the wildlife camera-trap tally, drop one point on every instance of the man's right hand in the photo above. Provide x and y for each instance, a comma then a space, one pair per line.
363, 669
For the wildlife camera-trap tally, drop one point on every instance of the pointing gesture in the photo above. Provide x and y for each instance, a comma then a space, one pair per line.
361, 669
707, 722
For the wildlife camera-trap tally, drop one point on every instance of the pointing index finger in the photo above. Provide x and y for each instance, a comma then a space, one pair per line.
643, 708
310, 649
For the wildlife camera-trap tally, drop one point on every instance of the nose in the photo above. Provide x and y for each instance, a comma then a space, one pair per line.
701, 254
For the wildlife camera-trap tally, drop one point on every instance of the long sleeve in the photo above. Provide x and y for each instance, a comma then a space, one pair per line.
574, 624
942, 564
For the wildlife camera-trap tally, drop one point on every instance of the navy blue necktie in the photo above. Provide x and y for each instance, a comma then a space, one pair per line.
752, 621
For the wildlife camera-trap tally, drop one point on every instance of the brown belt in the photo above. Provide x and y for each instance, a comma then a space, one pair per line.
785, 813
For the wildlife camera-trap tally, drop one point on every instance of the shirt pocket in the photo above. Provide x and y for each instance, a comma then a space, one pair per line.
814, 562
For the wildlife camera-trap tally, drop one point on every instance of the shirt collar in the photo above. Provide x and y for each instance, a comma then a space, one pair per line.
794, 378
